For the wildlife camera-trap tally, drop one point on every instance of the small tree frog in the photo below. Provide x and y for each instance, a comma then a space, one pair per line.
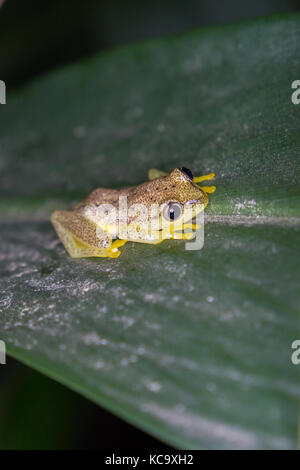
154, 211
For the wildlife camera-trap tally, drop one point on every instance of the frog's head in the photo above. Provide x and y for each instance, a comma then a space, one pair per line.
183, 197
177, 197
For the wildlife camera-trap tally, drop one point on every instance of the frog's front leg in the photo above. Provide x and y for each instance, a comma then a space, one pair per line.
118, 243
169, 234
81, 237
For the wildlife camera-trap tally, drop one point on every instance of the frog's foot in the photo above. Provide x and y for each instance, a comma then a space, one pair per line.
192, 226
199, 179
117, 243
176, 234
110, 254
169, 234
114, 252
206, 189
89, 251
182, 236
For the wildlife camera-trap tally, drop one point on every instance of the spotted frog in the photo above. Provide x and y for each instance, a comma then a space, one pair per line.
162, 208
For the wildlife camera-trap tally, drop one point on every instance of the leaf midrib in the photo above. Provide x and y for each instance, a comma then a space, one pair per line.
235, 219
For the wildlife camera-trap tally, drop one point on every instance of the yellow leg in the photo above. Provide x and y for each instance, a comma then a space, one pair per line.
171, 233
112, 254
117, 243
182, 236
77, 249
192, 226
198, 179
208, 189
113, 251
80, 243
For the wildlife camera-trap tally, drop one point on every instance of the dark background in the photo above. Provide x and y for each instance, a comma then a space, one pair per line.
35, 38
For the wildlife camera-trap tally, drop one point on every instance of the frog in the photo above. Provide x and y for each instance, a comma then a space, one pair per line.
99, 225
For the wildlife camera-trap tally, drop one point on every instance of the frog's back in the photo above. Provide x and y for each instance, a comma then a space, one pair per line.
104, 196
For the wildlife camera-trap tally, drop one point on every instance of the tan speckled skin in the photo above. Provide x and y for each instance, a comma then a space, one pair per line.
81, 230
173, 187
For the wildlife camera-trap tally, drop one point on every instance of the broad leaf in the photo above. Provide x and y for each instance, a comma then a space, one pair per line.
191, 346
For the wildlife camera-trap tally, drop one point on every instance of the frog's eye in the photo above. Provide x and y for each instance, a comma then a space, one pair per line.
187, 172
172, 211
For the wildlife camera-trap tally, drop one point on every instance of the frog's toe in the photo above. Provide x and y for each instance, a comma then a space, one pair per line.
183, 236
188, 236
198, 179
114, 253
118, 243
192, 226
208, 189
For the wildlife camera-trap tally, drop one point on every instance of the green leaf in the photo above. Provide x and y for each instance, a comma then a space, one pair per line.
191, 346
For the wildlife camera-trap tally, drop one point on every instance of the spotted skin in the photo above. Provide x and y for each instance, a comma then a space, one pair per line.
96, 226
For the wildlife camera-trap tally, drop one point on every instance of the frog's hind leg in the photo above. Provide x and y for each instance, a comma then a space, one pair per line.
80, 237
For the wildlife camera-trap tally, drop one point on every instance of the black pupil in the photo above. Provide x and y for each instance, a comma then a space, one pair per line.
187, 172
174, 212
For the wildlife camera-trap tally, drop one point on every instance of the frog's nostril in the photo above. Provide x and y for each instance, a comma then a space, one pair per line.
187, 172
